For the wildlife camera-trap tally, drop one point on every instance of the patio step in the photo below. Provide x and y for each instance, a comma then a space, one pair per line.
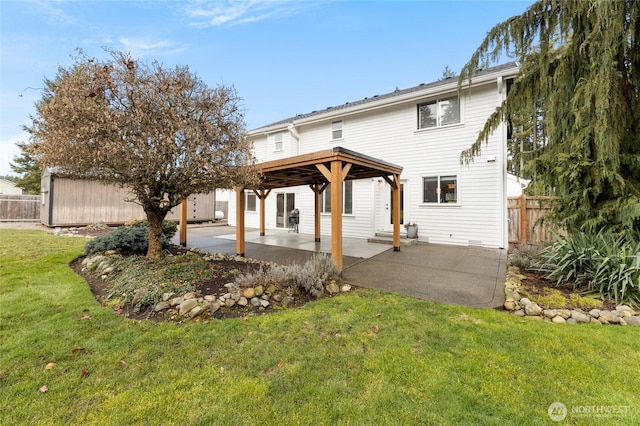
387, 238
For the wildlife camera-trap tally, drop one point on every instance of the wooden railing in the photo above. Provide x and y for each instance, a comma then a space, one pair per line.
524, 215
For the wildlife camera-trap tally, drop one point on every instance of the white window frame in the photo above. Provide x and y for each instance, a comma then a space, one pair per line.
440, 198
278, 138
336, 129
347, 198
439, 112
247, 205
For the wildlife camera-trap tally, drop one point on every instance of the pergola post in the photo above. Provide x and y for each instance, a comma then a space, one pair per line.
396, 212
262, 195
183, 223
240, 220
317, 189
336, 213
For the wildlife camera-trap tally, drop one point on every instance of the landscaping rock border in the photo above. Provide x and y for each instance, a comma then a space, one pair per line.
193, 304
520, 306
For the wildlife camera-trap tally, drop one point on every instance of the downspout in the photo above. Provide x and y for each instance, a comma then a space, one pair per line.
294, 133
502, 154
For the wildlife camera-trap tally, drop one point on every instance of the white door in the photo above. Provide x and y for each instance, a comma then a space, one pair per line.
388, 206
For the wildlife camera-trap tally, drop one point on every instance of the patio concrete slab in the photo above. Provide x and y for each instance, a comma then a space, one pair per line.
469, 276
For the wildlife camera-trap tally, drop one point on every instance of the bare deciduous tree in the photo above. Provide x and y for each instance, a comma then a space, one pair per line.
160, 132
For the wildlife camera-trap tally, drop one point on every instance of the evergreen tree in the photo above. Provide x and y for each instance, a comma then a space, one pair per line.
28, 170
580, 66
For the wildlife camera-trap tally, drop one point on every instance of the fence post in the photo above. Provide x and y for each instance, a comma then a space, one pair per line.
523, 219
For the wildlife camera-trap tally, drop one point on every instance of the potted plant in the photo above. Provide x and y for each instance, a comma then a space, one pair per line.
412, 229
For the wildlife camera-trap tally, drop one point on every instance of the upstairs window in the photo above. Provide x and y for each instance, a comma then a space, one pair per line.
441, 112
277, 141
336, 130
347, 198
440, 189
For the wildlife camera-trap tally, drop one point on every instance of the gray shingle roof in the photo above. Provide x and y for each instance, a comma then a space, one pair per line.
397, 92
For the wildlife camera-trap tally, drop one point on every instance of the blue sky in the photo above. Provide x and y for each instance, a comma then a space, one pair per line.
283, 57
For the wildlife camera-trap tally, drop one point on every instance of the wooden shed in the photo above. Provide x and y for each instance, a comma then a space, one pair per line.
74, 202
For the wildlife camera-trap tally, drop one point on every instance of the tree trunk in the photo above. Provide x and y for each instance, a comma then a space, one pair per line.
155, 219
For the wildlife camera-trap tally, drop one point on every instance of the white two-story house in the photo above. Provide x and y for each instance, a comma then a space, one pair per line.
423, 129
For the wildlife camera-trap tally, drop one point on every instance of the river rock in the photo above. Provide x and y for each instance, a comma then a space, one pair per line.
176, 301
519, 313
264, 303
524, 301
625, 308
167, 296
196, 311
187, 306
550, 313
633, 321
161, 306
580, 317
532, 309
139, 295
608, 317
332, 288
255, 301
345, 288
214, 307
510, 305
249, 292
229, 302
242, 301
595, 313
558, 320
190, 295
258, 290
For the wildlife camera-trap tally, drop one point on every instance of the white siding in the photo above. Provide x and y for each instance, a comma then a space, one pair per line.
390, 133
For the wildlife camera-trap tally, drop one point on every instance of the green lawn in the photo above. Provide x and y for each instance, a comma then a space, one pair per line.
363, 358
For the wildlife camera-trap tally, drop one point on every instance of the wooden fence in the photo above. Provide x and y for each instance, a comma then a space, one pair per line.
524, 215
19, 208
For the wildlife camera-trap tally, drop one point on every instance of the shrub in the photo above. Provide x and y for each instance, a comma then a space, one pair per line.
600, 263
526, 256
123, 239
310, 277
169, 227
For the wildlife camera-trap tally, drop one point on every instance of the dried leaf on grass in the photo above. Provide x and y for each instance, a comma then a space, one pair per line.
50, 366
44, 389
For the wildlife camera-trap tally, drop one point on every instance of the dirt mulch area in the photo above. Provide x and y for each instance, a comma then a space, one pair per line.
536, 284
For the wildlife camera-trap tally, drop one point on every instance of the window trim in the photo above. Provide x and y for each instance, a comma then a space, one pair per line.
333, 131
438, 102
274, 138
247, 194
326, 200
439, 178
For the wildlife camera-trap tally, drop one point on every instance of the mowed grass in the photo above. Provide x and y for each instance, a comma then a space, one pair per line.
362, 358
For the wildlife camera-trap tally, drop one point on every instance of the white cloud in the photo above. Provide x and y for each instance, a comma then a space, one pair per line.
236, 12
143, 47
53, 12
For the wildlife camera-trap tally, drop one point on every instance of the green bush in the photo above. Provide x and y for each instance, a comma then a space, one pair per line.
600, 263
129, 239
169, 227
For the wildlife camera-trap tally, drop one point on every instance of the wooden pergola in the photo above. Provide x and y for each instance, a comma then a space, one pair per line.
317, 170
